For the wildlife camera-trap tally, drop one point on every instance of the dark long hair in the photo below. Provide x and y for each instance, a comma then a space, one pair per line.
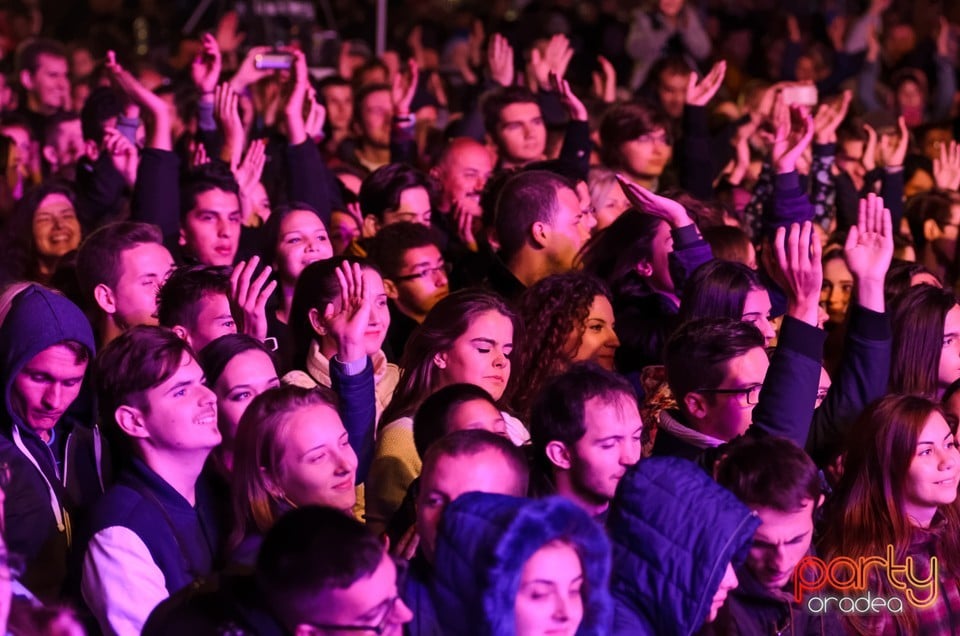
448, 320
218, 353
718, 289
867, 511
613, 253
317, 286
918, 318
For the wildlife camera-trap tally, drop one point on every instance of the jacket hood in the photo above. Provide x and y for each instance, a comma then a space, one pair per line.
483, 544
674, 530
39, 318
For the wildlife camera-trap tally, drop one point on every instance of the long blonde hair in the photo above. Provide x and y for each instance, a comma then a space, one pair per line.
256, 502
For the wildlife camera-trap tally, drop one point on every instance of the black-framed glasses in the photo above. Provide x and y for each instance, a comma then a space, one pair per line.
426, 272
391, 611
751, 392
378, 629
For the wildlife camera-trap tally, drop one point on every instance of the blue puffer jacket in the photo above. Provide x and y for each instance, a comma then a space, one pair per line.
483, 544
674, 530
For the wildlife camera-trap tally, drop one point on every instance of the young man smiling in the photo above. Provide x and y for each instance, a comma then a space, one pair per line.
155, 531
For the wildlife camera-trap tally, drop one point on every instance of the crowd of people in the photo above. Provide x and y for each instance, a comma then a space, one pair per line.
554, 318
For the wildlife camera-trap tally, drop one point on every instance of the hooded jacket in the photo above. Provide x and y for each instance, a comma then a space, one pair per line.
754, 610
483, 544
42, 496
674, 530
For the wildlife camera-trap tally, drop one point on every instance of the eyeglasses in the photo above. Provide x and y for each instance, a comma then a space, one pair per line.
375, 629
426, 272
391, 611
661, 137
752, 392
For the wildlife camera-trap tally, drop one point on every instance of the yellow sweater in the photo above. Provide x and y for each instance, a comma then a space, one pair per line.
396, 464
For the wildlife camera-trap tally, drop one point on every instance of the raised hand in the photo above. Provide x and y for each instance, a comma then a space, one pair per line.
794, 127
699, 93
556, 57
402, 94
893, 148
879, 6
741, 143
123, 154
837, 31
465, 212
943, 37
653, 204
228, 37
799, 270
869, 250
575, 108
249, 171
829, 117
205, 69
248, 73
227, 114
873, 44
500, 60
250, 296
159, 131
475, 44
346, 62
248, 174
348, 319
198, 155
293, 108
946, 169
415, 42
869, 160
793, 28
605, 81
316, 116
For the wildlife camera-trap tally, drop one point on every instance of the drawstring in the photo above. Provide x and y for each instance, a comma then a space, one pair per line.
63, 519
98, 456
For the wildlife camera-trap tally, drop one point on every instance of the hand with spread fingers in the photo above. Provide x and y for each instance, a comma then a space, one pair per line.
798, 270
699, 93
946, 169
653, 204
869, 250
250, 295
348, 317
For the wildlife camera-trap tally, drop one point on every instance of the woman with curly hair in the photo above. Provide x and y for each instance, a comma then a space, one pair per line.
568, 318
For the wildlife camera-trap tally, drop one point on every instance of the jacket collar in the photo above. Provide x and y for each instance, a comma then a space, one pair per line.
318, 365
686, 434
